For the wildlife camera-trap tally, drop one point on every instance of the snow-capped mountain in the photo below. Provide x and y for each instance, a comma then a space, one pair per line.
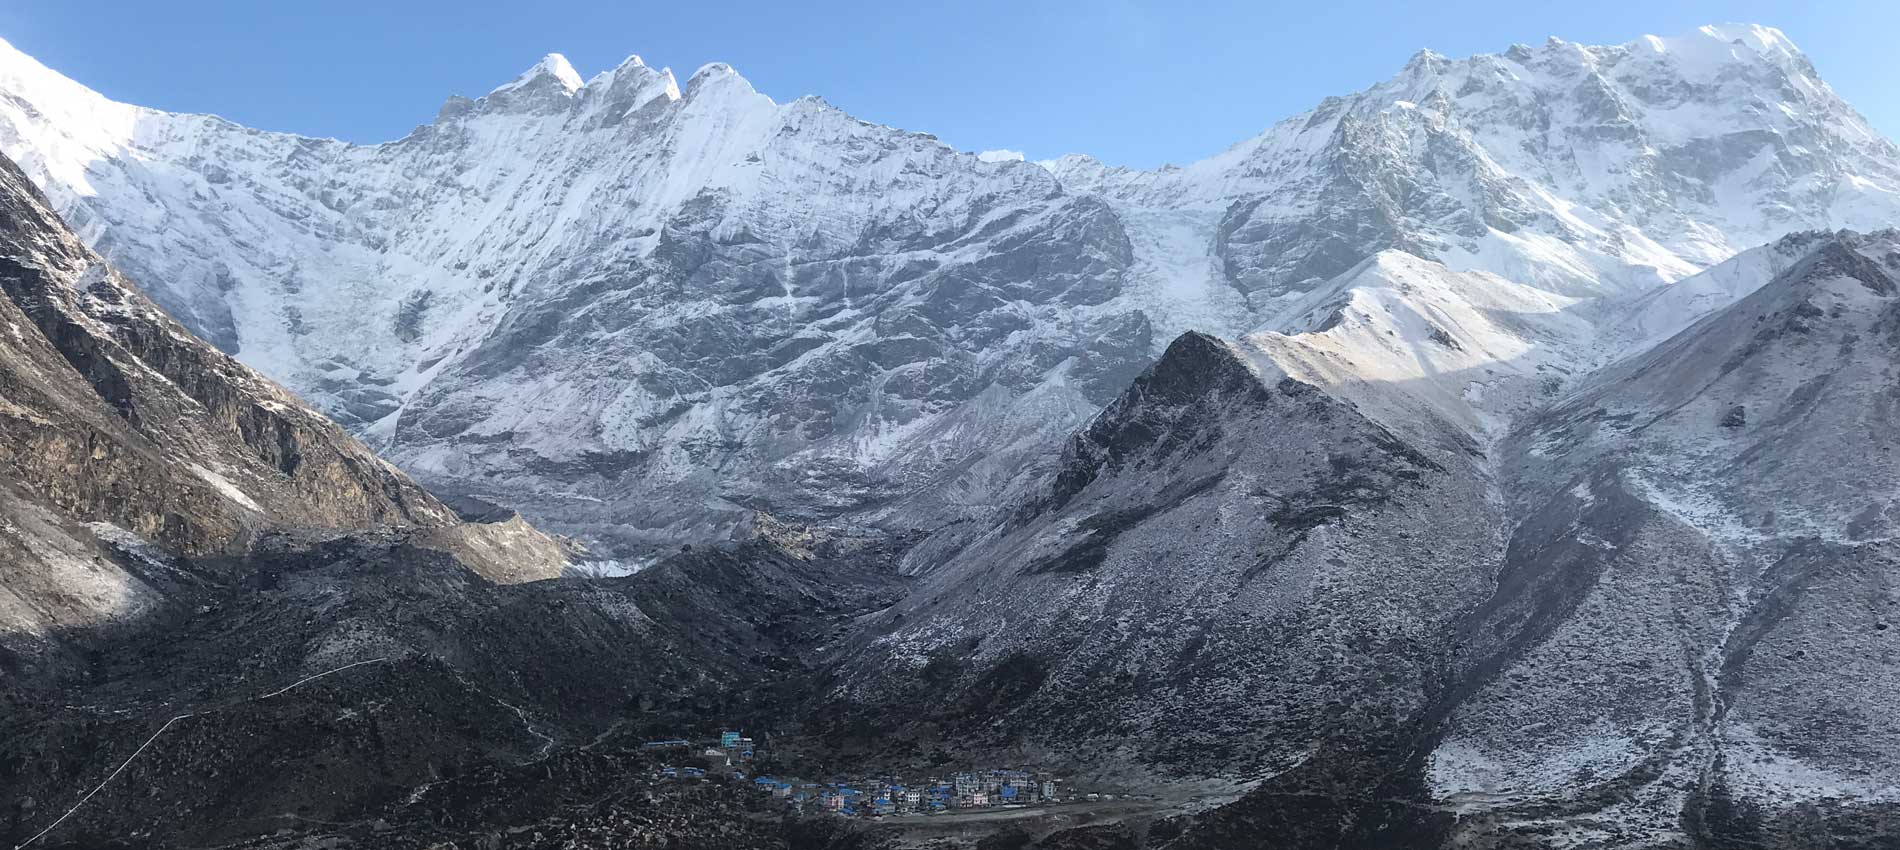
642, 308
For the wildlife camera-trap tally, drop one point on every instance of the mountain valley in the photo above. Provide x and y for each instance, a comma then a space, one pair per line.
1494, 458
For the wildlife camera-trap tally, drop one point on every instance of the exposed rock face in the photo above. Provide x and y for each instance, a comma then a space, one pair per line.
125, 439
639, 310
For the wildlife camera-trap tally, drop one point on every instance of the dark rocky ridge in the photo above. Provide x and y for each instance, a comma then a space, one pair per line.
150, 398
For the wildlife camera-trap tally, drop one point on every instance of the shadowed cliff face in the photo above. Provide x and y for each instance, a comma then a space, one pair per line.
121, 433
1705, 559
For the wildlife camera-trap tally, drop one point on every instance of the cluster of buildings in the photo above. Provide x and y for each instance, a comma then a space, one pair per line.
976, 789
875, 798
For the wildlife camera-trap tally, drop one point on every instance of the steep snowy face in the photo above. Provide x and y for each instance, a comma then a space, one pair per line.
646, 308
626, 288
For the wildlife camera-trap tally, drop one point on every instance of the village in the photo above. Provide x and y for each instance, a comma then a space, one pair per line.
730, 758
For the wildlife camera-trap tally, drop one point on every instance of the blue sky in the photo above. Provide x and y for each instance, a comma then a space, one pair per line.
1133, 82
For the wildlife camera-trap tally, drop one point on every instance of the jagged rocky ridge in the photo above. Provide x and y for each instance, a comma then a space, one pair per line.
584, 294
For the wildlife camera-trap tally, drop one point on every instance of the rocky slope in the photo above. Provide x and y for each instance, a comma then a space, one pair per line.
1229, 568
127, 442
1654, 611
444, 708
1706, 533
583, 293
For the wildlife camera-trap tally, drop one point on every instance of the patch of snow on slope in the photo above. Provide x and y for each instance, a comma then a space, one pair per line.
1756, 765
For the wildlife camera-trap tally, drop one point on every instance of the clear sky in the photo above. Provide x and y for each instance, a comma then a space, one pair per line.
1133, 82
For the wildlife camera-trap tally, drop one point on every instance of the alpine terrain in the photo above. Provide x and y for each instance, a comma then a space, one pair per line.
1499, 457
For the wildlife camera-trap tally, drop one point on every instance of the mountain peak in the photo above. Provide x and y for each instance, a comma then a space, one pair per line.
1714, 46
1424, 60
711, 71
720, 76
554, 67
1755, 36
